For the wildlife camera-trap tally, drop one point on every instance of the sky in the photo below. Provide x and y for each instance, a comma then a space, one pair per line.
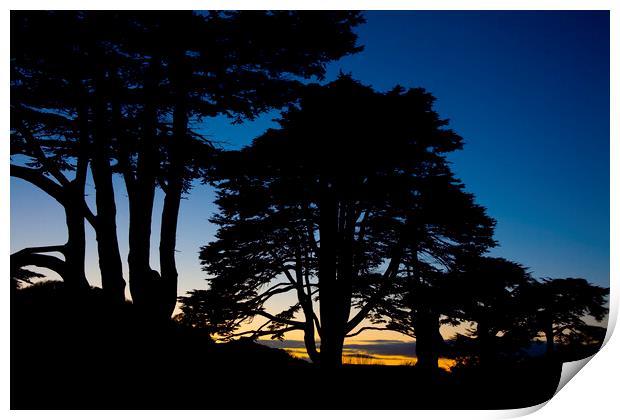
528, 92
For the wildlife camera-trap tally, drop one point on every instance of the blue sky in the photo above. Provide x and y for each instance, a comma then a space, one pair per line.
528, 91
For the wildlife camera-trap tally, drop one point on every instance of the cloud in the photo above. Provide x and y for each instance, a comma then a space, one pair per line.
378, 347
387, 347
282, 344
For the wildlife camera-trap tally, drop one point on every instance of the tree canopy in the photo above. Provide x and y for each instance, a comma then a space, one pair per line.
561, 309
121, 92
334, 205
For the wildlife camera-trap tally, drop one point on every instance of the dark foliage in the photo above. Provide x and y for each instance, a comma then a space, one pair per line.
121, 92
352, 182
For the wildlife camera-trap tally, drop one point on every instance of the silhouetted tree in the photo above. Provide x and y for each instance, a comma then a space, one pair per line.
49, 129
323, 203
143, 79
222, 66
491, 294
248, 256
560, 308
53, 122
443, 224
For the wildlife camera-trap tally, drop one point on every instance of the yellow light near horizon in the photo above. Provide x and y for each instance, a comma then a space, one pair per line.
364, 358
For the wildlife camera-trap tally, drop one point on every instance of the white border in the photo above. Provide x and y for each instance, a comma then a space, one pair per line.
591, 394
309, 5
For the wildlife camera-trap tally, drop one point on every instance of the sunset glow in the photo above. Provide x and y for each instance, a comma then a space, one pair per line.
363, 358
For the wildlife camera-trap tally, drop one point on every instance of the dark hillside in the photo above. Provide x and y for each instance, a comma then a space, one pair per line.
70, 355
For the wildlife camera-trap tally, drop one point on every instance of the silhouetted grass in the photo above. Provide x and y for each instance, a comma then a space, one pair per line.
359, 359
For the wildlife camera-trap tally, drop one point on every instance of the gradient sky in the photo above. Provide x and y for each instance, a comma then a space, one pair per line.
529, 93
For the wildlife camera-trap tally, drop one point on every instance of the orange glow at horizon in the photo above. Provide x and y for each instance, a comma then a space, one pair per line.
364, 358
446, 332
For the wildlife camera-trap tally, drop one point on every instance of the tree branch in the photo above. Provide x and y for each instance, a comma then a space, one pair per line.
162, 184
363, 224
50, 262
317, 323
36, 178
276, 286
310, 230
40, 155
256, 334
365, 329
282, 266
39, 249
53, 189
274, 318
263, 297
388, 275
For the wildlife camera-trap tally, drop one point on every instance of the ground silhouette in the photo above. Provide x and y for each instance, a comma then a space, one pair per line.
61, 351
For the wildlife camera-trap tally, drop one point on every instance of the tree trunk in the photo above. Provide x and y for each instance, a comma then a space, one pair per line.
485, 345
70, 195
310, 343
72, 271
549, 336
110, 263
75, 248
174, 190
167, 245
305, 299
141, 192
428, 340
306, 304
330, 295
138, 259
345, 262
